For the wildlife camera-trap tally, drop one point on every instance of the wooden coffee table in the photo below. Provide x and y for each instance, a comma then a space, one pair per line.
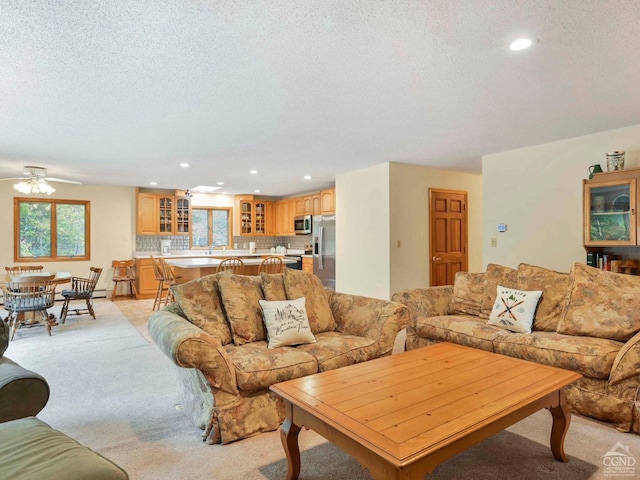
401, 416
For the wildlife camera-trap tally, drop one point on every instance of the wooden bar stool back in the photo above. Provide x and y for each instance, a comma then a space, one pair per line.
158, 272
234, 264
170, 279
271, 264
123, 272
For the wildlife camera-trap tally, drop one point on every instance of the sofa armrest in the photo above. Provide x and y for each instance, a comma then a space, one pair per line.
189, 346
425, 302
627, 363
379, 320
23, 393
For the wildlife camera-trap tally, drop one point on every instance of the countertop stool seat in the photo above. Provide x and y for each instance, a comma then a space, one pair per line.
31, 449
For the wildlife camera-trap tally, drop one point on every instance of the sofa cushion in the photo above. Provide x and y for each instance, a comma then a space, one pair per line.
298, 283
273, 286
602, 304
514, 309
467, 293
286, 322
461, 329
334, 350
200, 301
554, 286
494, 276
31, 449
258, 367
241, 297
589, 356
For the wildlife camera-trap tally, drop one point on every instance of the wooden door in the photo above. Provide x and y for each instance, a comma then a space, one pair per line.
448, 244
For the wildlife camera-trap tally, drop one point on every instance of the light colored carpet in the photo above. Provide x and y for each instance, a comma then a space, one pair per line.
115, 392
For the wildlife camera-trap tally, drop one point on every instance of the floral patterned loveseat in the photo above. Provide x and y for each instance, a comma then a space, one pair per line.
587, 321
215, 335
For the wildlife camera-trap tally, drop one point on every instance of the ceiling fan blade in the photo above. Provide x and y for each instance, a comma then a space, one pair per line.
61, 180
14, 178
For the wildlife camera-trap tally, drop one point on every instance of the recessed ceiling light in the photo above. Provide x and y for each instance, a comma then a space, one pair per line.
184, 164
220, 183
253, 172
153, 183
522, 43
256, 191
307, 177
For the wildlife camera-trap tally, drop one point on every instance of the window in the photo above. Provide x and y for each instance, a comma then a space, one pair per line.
210, 226
50, 230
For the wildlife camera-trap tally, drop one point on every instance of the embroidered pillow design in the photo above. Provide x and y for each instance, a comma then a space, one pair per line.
514, 310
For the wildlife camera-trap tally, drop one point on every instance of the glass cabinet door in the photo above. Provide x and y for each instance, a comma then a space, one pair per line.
246, 212
609, 213
165, 210
261, 226
182, 214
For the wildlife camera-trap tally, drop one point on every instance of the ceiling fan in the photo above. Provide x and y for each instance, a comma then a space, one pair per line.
35, 181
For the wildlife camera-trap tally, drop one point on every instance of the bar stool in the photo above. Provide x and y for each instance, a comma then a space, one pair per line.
234, 264
158, 272
271, 264
123, 272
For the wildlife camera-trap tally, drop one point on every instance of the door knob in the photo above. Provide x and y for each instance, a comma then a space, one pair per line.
435, 259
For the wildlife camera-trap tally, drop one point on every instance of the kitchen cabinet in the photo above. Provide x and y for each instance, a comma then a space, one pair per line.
146, 283
307, 264
610, 209
299, 202
308, 205
328, 201
285, 213
253, 216
146, 213
315, 204
162, 213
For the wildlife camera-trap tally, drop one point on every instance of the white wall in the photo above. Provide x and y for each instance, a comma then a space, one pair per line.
112, 227
409, 224
362, 232
537, 192
380, 205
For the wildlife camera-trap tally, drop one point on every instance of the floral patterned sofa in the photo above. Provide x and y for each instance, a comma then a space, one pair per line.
216, 336
587, 321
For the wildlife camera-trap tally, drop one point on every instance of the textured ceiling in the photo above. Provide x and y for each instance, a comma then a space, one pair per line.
119, 92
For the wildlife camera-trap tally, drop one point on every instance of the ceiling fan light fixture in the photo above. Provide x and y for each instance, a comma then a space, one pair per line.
34, 186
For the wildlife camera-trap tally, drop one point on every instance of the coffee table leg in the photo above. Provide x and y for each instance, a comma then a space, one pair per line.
560, 427
289, 437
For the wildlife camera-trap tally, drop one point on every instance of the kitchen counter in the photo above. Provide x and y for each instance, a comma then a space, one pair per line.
216, 254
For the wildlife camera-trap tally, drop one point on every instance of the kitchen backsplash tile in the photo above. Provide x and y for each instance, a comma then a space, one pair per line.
151, 243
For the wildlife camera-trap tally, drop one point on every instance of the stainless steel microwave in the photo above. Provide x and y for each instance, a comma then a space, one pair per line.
302, 225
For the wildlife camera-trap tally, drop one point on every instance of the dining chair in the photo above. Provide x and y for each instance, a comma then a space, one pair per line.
271, 264
123, 272
81, 289
18, 269
33, 293
234, 264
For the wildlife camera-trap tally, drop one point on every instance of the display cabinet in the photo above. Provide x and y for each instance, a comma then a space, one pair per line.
162, 213
165, 212
254, 216
183, 215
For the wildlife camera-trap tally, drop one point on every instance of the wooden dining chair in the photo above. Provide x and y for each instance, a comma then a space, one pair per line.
123, 272
271, 264
234, 264
81, 289
18, 269
33, 293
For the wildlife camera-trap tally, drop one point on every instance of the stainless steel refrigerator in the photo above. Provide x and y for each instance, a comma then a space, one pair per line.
323, 230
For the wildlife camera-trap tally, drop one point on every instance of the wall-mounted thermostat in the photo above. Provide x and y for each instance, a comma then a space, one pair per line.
502, 227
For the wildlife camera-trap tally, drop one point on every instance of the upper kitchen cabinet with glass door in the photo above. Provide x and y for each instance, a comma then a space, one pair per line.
609, 216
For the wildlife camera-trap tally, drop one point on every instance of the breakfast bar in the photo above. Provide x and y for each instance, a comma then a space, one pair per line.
191, 268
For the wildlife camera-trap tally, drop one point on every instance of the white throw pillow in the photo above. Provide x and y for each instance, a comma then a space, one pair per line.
286, 322
514, 310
